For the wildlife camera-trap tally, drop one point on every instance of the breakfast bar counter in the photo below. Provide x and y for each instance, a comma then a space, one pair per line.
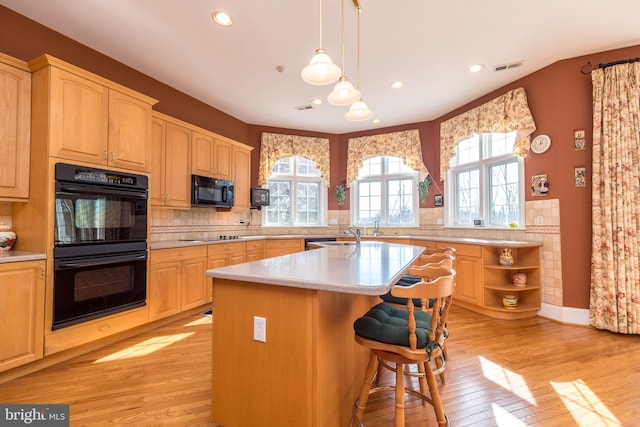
308, 370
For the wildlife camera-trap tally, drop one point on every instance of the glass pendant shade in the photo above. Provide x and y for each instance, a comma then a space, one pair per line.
358, 112
321, 69
343, 93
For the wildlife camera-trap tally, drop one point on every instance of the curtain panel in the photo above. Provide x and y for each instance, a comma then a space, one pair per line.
615, 254
274, 147
404, 144
506, 113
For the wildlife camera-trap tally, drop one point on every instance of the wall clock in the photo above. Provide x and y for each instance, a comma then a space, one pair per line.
540, 144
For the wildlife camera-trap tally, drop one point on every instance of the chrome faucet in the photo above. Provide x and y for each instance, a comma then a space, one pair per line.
354, 231
376, 228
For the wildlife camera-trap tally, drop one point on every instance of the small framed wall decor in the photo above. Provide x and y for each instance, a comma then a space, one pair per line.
578, 139
539, 185
438, 200
580, 176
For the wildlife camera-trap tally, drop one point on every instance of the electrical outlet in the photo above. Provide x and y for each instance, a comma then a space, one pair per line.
259, 329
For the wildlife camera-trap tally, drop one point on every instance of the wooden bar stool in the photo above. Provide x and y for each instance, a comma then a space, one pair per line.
407, 336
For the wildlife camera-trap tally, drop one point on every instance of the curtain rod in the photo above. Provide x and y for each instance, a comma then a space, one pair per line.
608, 64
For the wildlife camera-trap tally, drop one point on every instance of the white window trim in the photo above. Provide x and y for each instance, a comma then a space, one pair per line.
483, 165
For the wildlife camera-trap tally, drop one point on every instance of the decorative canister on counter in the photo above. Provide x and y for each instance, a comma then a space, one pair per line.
520, 279
7, 237
506, 257
510, 301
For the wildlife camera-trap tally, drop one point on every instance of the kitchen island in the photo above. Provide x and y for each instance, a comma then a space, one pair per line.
309, 370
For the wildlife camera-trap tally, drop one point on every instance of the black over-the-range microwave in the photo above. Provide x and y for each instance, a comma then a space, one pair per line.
207, 191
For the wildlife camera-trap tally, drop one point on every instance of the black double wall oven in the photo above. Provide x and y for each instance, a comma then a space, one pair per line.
100, 249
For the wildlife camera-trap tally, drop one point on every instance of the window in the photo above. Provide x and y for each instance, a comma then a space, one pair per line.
298, 194
386, 191
486, 182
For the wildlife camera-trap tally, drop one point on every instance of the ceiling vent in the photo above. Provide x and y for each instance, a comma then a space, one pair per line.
304, 107
505, 67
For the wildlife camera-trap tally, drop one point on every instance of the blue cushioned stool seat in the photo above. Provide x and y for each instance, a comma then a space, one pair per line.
389, 324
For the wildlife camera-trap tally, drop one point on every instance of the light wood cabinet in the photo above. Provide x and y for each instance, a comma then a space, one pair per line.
91, 119
177, 280
241, 178
170, 178
15, 128
468, 266
255, 250
212, 156
278, 247
22, 307
221, 255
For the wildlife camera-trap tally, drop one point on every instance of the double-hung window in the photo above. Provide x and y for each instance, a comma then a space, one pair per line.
485, 183
385, 192
298, 196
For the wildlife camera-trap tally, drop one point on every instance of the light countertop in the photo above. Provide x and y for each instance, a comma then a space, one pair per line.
18, 256
369, 269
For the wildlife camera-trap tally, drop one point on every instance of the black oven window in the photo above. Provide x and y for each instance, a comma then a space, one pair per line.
96, 284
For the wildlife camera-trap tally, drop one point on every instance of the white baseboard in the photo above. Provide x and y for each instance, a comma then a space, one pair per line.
576, 316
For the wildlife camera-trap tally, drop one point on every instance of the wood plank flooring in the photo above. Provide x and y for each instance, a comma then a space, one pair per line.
531, 372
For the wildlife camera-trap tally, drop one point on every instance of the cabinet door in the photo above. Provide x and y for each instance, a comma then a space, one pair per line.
468, 279
22, 308
164, 289
129, 132
222, 168
280, 247
242, 179
15, 105
156, 177
194, 283
177, 178
202, 154
79, 111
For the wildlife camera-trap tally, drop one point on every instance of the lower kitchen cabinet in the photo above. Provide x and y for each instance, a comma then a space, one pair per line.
468, 266
277, 247
221, 255
255, 250
177, 280
22, 307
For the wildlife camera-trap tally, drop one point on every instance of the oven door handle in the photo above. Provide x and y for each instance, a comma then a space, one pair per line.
98, 191
60, 265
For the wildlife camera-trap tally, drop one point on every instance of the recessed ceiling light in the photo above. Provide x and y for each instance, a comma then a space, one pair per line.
222, 18
316, 101
475, 68
396, 85
376, 121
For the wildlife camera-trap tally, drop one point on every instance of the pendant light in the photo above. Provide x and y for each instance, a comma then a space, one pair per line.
321, 69
343, 92
358, 111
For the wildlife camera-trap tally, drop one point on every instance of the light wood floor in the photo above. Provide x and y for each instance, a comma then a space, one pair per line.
532, 372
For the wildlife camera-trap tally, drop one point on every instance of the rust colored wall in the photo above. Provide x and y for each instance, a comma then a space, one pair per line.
25, 39
559, 98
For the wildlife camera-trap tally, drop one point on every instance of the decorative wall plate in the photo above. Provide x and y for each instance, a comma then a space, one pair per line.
540, 144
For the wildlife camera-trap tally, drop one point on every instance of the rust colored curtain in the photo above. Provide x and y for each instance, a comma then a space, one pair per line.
274, 146
506, 113
615, 260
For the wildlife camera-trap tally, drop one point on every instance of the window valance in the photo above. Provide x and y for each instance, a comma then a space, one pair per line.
276, 146
506, 113
404, 144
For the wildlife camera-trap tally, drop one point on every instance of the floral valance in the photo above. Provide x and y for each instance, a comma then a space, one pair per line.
404, 144
276, 146
506, 113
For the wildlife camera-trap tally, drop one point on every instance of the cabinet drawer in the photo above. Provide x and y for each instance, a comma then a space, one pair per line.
226, 248
462, 249
177, 254
255, 245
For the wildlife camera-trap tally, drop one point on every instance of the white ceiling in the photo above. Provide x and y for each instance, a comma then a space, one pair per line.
426, 44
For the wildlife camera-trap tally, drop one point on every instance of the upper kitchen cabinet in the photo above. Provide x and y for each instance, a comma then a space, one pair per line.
170, 177
241, 156
211, 156
15, 124
90, 119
